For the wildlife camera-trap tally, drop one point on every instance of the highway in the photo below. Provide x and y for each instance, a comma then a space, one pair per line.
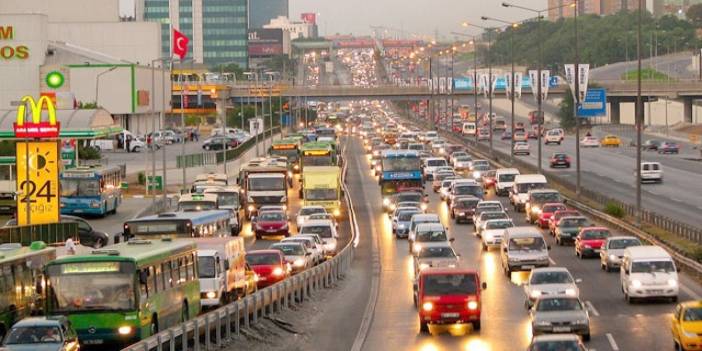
615, 324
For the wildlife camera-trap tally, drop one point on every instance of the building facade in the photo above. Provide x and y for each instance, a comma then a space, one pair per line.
217, 28
263, 11
295, 29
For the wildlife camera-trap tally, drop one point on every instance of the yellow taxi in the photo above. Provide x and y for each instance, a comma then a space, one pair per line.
611, 140
686, 326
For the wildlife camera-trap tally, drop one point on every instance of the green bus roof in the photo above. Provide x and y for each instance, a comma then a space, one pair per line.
316, 145
7, 160
286, 140
12, 252
142, 252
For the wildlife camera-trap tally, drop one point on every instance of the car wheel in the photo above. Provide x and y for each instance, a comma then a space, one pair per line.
586, 337
258, 236
206, 147
476, 326
603, 267
136, 149
423, 327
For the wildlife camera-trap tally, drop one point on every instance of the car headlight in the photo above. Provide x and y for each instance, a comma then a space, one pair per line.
672, 282
423, 206
336, 212
386, 202
290, 174
636, 283
472, 305
299, 262
581, 321
401, 226
393, 207
251, 208
613, 257
277, 271
125, 330
417, 248
476, 174
211, 294
451, 265
689, 334
427, 306
296, 167
536, 210
586, 246
423, 266
570, 292
330, 246
535, 294
442, 150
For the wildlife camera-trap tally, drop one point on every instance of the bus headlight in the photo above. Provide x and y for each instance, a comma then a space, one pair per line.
299, 262
124, 330
336, 212
386, 202
211, 294
423, 206
472, 305
251, 208
427, 306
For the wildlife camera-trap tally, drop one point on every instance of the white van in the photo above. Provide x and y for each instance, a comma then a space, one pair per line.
504, 180
519, 194
651, 172
522, 249
469, 128
221, 270
648, 272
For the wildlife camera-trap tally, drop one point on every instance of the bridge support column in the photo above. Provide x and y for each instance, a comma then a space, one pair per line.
614, 111
687, 109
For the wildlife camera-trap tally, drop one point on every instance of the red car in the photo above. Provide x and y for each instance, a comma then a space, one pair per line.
590, 240
547, 211
559, 159
553, 221
448, 296
271, 223
488, 179
269, 265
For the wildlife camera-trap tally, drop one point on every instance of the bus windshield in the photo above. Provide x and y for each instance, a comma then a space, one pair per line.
205, 267
325, 160
91, 286
229, 199
80, 187
320, 194
266, 184
401, 164
196, 206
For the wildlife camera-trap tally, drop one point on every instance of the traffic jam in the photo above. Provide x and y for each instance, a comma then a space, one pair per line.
518, 218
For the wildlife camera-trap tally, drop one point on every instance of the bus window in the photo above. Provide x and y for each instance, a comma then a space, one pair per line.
183, 262
143, 286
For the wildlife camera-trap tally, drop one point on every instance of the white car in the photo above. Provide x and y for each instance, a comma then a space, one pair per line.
554, 136
521, 148
589, 141
549, 281
327, 232
431, 164
437, 255
305, 212
295, 254
310, 245
462, 163
454, 156
486, 216
492, 232
651, 172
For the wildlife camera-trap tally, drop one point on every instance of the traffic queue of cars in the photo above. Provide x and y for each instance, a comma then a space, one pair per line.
447, 292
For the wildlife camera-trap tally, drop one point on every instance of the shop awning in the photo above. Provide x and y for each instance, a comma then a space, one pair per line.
75, 124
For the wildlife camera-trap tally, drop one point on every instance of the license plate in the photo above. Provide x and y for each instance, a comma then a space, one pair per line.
528, 267
561, 329
596, 250
272, 230
655, 291
93, 342
449, 315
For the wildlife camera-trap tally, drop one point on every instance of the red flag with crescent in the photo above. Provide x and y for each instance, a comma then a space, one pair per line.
180, 44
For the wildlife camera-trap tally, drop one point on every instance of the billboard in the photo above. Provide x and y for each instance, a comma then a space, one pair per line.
265, 42
309, 17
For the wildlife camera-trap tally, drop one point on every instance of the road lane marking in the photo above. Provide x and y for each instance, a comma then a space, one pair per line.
551, 261
676, 199
592, 308
612, 343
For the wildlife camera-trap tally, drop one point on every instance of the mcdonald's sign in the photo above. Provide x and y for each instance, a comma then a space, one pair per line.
35, 127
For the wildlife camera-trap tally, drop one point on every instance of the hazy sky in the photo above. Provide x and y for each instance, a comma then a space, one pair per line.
413, 16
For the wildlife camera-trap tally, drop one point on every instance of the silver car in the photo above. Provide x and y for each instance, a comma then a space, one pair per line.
560, 314
570, 342
492, 232
436, 255
612, 251
549, 281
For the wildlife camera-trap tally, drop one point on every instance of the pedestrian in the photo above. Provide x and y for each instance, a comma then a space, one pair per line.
129, 143
70, 246
196, 133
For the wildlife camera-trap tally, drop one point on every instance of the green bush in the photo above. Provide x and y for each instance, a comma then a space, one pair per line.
613, 209
89, 153
141, 179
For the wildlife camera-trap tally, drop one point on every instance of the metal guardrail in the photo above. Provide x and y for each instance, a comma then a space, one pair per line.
213, 329
217, 157
52, 234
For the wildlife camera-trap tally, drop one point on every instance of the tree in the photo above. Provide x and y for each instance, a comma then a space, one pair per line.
694, 15
565, 112
230, 68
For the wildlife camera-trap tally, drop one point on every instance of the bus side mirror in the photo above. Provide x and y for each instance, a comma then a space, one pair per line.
226, 265
484, 285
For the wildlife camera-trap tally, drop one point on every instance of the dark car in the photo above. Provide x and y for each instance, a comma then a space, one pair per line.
462, 208
669, 148
652, 144
87, 235
560, 159
220, 142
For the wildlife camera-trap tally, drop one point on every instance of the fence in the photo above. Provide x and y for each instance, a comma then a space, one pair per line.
212, 158
211, 330
52, 234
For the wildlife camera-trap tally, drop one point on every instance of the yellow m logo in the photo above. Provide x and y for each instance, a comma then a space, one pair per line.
36, 110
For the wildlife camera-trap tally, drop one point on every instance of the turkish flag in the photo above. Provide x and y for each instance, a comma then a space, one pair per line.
180, 44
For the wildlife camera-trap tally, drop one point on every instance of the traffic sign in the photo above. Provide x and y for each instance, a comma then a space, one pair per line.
594, 104
37, 182
155, 183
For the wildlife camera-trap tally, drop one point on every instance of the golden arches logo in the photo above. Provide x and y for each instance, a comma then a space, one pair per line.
36, 107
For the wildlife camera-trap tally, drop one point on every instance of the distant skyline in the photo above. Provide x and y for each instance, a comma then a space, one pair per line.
413, 18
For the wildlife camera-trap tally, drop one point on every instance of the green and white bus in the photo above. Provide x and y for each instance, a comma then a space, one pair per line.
126, 292
21, 271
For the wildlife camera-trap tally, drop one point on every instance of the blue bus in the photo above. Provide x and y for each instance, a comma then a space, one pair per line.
91, 190
182, 224
401, 171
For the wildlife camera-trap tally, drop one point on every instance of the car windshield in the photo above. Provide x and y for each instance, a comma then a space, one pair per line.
406, 216
450, 284
554, 208
262, 259
205, 267
559, 304
546, 197
525, 187
434, 235
573, 222
436, 163
693, 314
481, 167
306, 211
499, 224
475, 190
652, 267
443, 175
463, 159
595, 234
489, 208
33, 335
621, 244
527, 244
271, 217
290, 250
559, 345
493, 215
468, 203
558, 277
408, 198
324, 231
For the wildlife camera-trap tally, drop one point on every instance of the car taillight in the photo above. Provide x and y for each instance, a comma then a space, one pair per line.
568, 159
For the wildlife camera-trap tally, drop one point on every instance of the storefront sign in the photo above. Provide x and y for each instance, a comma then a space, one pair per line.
36, 128
11, 51
37, 182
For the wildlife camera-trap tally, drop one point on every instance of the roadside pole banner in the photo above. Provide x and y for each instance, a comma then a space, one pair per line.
518, 84
545, 78
508, 84
494, 85
570, 77
533, 74
584, 71
484, 83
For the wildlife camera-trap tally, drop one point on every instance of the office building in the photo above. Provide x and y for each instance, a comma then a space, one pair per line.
217, 28
263, 11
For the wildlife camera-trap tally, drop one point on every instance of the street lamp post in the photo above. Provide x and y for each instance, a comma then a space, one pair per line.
489, 64
639, 115
255, 75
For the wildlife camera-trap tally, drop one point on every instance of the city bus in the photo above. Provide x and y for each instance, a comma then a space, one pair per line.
317, 154
127, 292
401, 171
289, 148
191, 224
8, 185
91, 190
21, 270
